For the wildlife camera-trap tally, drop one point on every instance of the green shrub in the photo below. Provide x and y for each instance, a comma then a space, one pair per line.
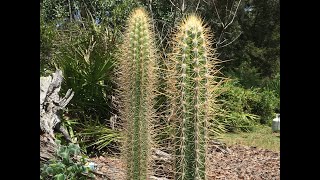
237, 105
47, 36
87, 65
273, 85
266, 106
64, 166
87, 62
247, 75
244, 108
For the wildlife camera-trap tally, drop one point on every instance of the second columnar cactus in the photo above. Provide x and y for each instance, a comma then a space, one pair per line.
192, 76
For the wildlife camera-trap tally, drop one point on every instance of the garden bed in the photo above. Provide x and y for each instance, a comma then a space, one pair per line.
237, 162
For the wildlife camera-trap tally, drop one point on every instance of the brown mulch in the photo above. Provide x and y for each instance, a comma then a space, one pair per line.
109, 168
243, 162
234, 162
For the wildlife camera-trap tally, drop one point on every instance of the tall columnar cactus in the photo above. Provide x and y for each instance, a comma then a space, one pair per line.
137, 86
193, 79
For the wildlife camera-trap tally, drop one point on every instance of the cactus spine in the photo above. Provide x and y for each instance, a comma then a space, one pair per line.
137, 83
193, 82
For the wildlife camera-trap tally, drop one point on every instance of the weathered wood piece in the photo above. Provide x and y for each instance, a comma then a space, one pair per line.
50, 104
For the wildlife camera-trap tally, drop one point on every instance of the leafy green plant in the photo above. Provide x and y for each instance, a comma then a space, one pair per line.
273, 85
87, 64
237, 105
266, 107
95, 135
137, 82
193, 79
247, 75
239, 121
69, 125
47, 36
243, 108
65, 165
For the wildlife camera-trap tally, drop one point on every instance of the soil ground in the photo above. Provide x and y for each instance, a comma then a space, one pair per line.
235, 162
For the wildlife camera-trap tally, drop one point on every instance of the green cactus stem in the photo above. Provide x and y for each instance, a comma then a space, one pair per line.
192, 76
136, 77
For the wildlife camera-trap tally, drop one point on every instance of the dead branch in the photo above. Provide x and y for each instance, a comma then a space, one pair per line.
50, 104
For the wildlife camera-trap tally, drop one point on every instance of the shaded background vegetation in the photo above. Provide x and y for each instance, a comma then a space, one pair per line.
82, 37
